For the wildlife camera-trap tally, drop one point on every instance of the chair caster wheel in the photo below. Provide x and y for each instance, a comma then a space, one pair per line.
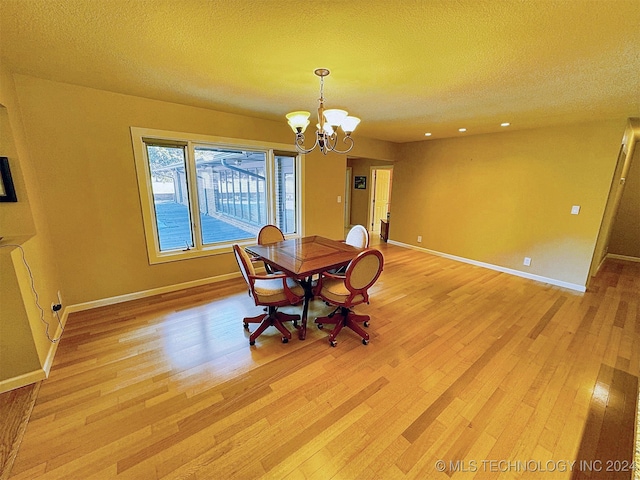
366, 324
320, 326
365, 341
246, 326
285, 340
252, 342
333, 343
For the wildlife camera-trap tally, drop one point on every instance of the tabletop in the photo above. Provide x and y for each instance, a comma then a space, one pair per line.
302, 257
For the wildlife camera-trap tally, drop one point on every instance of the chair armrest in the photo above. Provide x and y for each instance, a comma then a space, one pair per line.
333, 275
268, 276
292, 297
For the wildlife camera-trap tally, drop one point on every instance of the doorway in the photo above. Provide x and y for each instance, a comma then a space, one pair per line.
630, 140
380, 196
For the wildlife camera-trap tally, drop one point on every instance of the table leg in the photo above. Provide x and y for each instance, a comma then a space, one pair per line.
307, 285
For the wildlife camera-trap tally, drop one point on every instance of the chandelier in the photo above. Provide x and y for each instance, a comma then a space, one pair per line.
328, 123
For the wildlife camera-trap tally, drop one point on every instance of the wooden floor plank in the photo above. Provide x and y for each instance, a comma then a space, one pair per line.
16, 407
464, 365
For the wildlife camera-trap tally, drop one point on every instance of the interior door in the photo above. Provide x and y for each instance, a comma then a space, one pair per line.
381, 195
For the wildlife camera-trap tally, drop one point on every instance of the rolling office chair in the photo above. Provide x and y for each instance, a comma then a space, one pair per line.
347, 290
271, 290
269, 234
358, 236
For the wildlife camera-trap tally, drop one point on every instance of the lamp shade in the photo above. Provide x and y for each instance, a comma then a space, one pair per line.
298, 121
335, 116
349, 124
328, 129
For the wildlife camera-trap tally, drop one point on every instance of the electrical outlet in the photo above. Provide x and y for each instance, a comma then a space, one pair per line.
56, 307
419, 238
527, 262
339, 199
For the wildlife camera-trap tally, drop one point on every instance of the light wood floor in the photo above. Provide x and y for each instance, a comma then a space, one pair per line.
464, 365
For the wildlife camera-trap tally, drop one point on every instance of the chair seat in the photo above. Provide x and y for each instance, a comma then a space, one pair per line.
335, 291
271, 291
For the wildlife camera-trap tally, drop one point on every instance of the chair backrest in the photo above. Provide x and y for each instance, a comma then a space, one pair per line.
269, 234
244, 263
358, 236
363, 271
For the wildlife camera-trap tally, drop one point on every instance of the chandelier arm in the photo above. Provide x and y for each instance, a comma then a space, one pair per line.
348, 140
300, 144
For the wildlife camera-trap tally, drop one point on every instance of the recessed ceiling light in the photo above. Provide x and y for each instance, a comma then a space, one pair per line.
428, 134
462, 129
505, 124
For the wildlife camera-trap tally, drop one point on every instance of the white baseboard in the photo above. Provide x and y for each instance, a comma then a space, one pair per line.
622, 257
22, 380
37, 375
510, 271
148, 293
53, 348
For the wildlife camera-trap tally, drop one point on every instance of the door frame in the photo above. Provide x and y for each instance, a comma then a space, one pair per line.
347, 197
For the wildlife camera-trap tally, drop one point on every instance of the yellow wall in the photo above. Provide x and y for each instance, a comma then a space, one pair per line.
324, 183
625, 233
25, 223
498, 198
18, 354
15, 217
80, 143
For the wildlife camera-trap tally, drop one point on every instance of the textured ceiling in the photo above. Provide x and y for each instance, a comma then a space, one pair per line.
405, 67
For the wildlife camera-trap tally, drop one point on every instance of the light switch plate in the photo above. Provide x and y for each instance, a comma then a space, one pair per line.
575, 210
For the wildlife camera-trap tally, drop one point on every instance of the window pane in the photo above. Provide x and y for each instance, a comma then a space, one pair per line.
285, 183
170, 196
231, 193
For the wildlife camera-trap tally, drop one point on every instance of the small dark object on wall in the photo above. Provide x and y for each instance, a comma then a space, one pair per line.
7, 192
360, 182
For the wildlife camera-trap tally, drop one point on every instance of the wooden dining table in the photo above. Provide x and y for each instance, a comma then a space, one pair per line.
302, 258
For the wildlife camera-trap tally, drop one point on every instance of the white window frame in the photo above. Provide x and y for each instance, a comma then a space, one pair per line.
138, 136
